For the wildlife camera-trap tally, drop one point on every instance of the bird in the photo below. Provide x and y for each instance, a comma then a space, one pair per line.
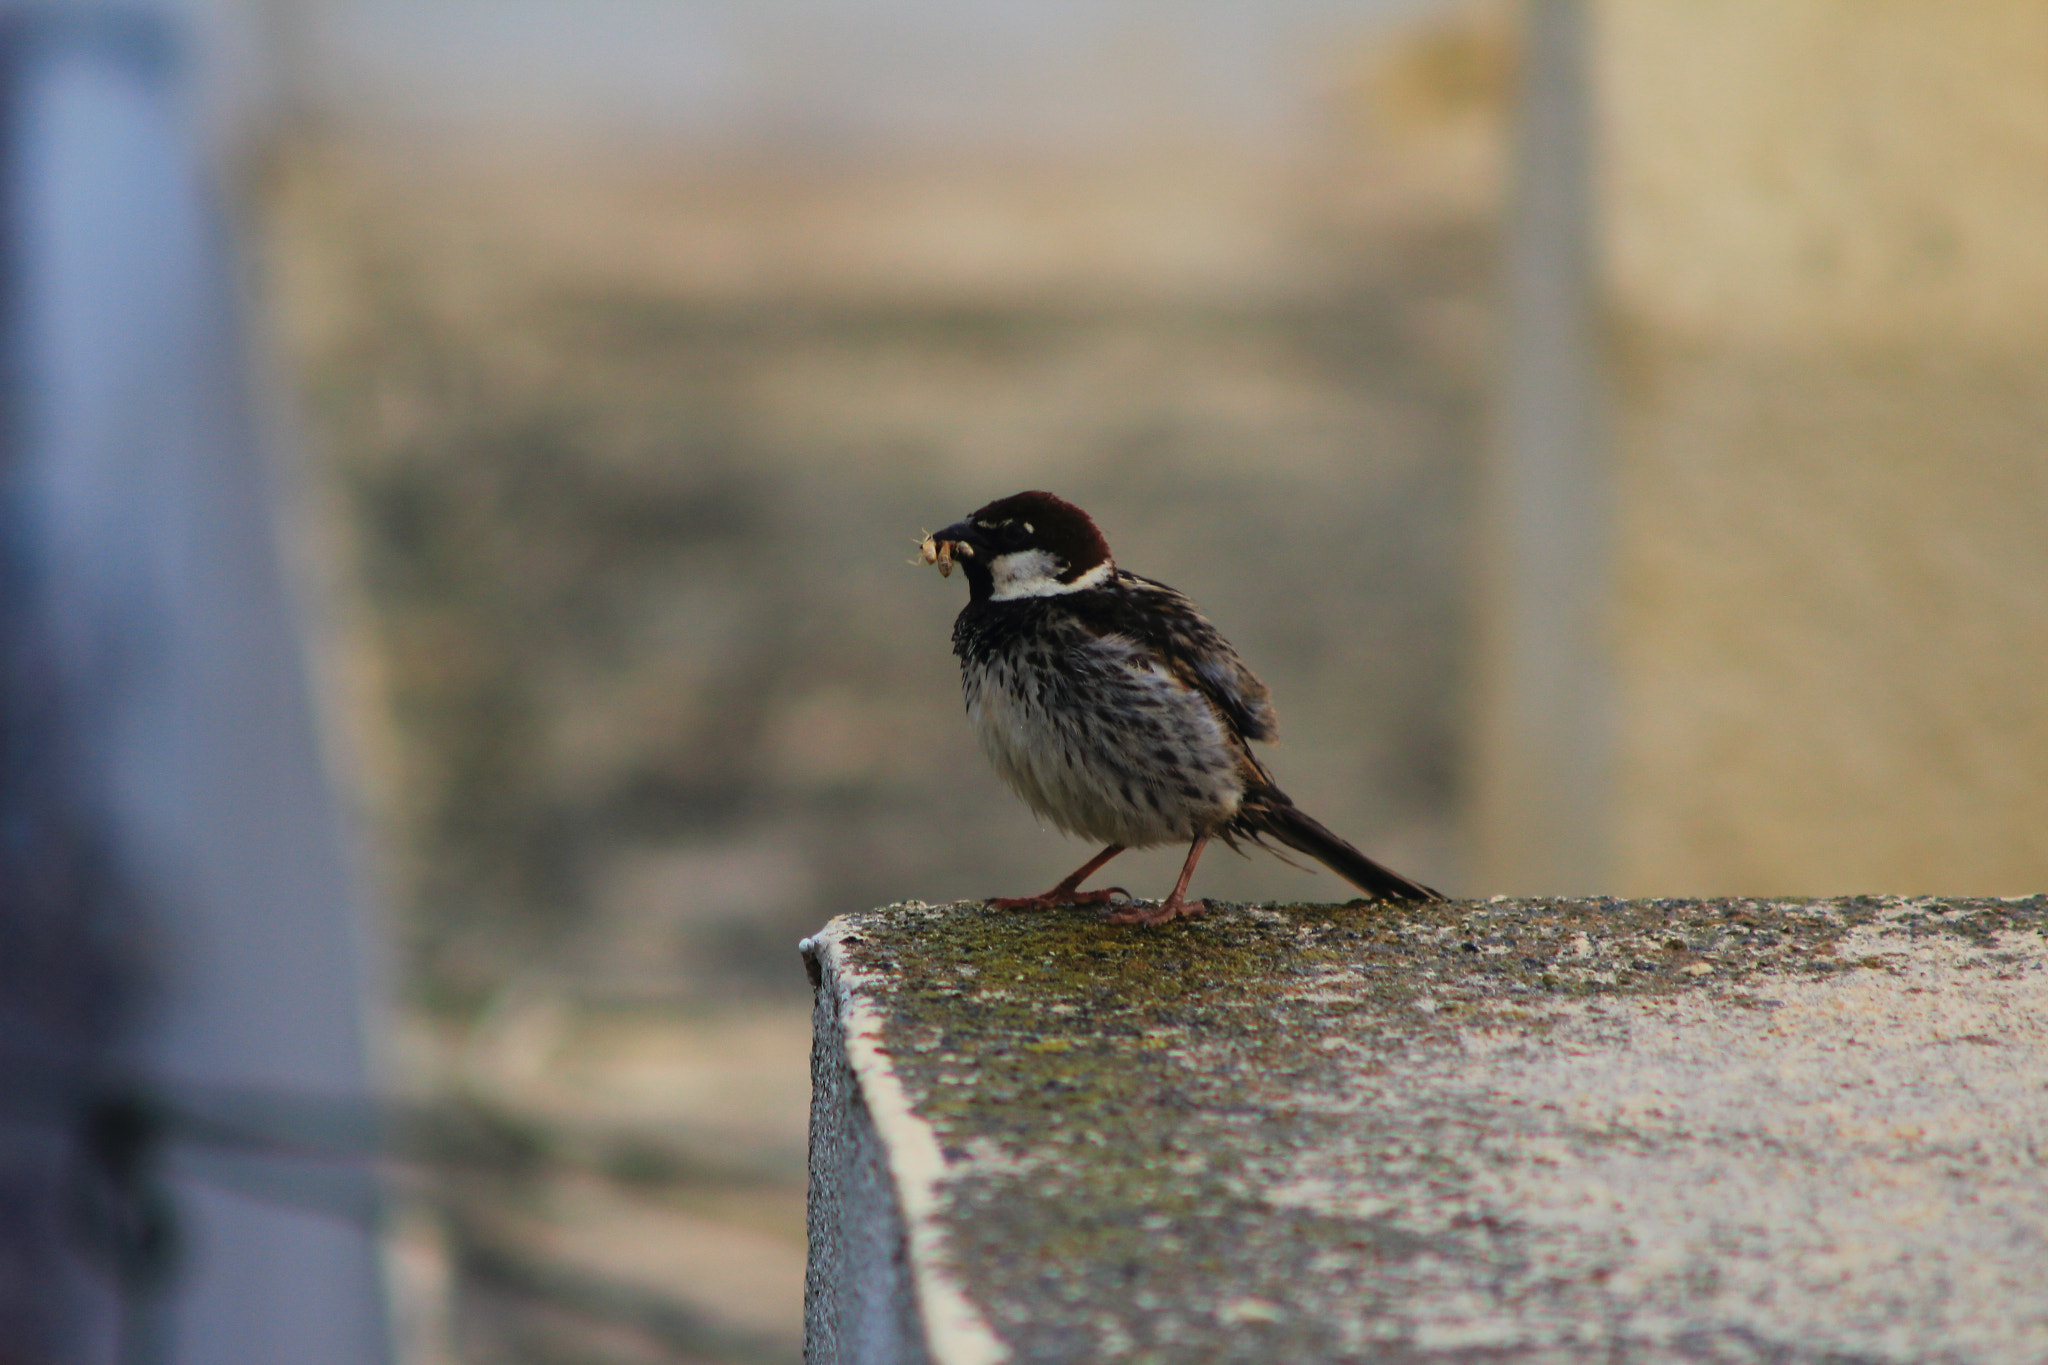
1115, 710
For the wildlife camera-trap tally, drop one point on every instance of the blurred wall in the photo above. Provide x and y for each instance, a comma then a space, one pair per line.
1822, 297
825, 76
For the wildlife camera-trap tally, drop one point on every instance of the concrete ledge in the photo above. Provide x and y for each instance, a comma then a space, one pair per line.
1513, 1130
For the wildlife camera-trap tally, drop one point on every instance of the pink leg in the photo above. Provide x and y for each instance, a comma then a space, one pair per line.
1174, 906
1068, 892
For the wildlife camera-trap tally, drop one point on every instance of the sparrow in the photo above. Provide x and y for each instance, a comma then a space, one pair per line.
1115, 710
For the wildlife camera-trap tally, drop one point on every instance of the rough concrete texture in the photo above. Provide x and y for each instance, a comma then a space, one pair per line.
1528, 1130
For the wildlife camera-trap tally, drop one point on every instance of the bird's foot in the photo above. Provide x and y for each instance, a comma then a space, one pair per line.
1167, 911
1059, 895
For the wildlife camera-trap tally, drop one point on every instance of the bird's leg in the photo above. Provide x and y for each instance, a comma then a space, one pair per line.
1175, 906
1068, 892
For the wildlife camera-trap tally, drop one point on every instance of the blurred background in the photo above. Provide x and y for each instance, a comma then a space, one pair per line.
636, 343
1614, 429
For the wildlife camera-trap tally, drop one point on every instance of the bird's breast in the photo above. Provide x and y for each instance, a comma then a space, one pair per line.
1100, 740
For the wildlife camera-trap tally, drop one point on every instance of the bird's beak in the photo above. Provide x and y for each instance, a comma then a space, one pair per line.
941, 547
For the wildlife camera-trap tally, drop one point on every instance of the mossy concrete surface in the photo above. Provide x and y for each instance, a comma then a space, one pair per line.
1528, 1130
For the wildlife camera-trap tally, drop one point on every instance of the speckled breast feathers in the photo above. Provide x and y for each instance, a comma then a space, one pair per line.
1117, 713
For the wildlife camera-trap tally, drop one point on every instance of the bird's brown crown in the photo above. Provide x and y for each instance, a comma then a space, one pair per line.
1037, 520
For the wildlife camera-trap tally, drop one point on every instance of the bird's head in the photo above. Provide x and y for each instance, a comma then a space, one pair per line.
1026, 545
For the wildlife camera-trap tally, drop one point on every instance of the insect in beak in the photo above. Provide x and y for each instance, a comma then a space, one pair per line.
941, 552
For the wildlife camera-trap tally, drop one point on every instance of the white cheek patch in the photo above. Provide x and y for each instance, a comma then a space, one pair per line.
1035, 573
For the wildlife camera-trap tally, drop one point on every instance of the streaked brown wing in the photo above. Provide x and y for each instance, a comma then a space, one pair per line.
1167, 624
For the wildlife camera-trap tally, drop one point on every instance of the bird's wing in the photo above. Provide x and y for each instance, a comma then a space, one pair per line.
1167, 625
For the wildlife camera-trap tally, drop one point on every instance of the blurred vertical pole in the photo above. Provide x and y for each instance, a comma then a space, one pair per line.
140, 536
1542, 780
67, 969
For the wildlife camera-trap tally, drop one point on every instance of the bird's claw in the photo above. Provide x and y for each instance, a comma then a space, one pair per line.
1165, 912
1057, 897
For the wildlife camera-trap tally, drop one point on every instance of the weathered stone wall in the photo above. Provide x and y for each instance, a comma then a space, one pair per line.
1631, 1131
858, 1301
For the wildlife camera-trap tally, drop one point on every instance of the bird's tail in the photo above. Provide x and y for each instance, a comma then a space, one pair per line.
1271, 813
